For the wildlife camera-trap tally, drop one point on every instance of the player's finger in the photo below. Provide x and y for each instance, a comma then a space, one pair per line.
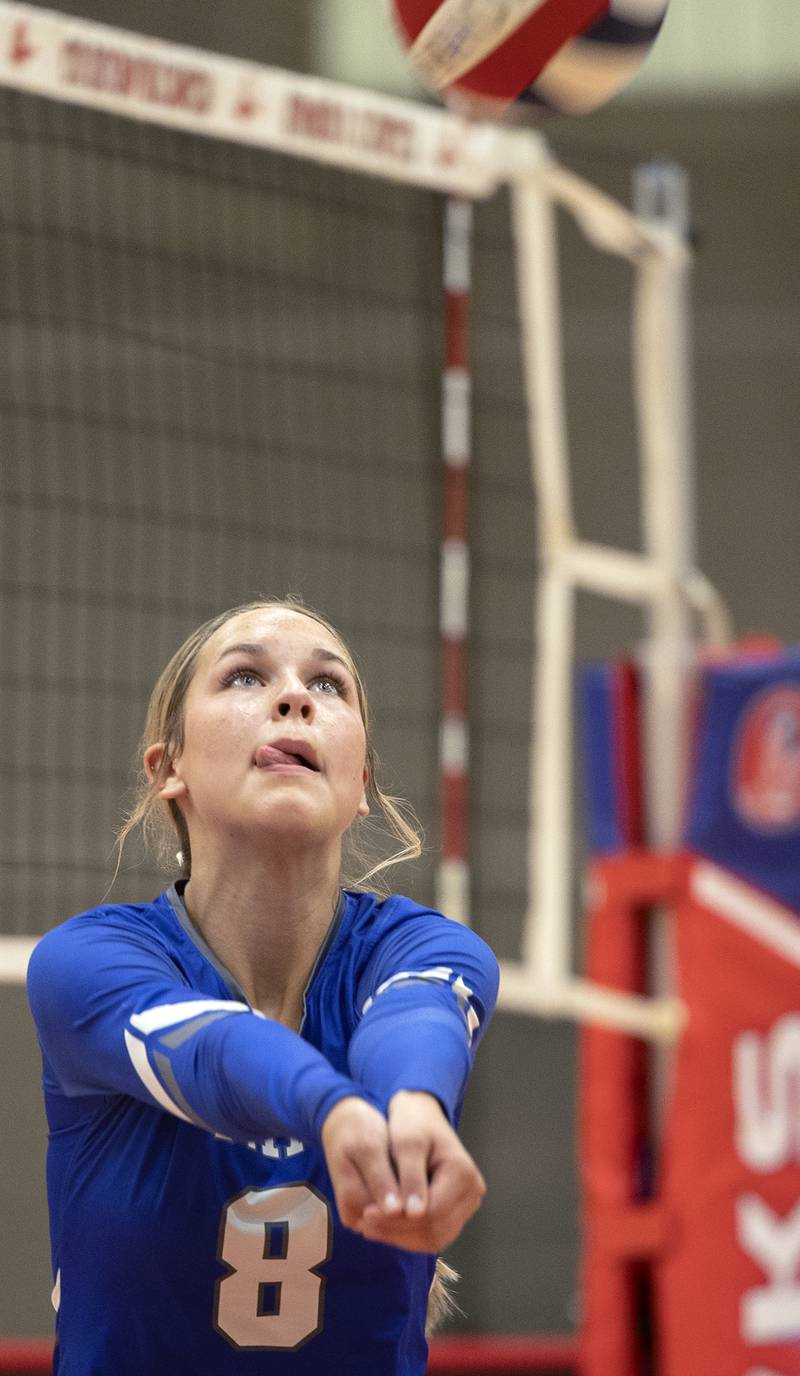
352, 1195
454, 1193
412, 1234
410, 1154
375, 1166
397, 1230
456, 1185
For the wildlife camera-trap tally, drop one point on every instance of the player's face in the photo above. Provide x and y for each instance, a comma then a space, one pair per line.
273, 733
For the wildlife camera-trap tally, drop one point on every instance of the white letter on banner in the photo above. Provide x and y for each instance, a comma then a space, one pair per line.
770, 1313
766, 1084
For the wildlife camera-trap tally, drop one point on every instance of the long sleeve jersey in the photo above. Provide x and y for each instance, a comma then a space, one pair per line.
193, 1224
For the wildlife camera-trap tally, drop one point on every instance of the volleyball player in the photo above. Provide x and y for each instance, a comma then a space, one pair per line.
253, 1083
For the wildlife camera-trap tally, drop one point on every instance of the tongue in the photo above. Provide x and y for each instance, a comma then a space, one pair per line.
270, 754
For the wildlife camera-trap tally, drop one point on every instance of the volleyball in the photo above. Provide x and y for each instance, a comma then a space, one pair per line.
484, 56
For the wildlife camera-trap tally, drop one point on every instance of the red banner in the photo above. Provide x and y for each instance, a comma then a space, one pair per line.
728, 1287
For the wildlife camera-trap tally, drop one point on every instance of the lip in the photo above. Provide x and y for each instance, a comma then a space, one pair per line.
308, 761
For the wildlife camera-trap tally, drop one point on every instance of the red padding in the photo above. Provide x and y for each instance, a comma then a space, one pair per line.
517, 1356
18, 1355
622, 1229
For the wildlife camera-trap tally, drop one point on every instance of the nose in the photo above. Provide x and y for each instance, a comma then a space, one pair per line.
293, 700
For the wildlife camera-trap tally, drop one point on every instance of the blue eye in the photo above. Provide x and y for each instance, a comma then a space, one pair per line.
240, 674
323, 683
330, 683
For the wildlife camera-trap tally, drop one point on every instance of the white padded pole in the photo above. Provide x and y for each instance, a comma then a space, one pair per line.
546, 942
661, 380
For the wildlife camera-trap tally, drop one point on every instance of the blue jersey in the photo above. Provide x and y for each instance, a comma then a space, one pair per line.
193, 1224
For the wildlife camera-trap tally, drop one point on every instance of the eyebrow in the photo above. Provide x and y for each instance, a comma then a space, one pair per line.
257, 651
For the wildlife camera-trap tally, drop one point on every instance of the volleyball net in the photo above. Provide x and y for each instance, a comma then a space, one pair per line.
224, 373
267, 334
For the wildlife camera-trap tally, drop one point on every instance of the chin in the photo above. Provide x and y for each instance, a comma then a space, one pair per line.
295, 819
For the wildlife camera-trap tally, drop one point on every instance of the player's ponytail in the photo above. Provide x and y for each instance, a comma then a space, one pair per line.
441, 1304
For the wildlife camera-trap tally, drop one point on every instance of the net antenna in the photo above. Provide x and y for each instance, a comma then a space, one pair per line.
97, 67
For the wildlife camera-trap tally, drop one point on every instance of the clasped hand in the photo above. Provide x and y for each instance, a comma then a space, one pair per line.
405, 1179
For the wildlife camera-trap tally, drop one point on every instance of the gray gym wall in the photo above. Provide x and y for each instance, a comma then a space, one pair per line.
68, 560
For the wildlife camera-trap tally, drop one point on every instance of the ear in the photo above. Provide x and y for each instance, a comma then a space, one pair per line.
173, 786
363, 807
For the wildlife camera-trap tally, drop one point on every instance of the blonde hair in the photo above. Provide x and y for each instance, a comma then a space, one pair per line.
441, 1304
161, 821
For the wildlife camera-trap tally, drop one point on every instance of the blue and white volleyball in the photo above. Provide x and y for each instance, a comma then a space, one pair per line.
483, 56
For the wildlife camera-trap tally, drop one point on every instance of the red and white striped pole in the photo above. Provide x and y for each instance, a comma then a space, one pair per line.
452, 880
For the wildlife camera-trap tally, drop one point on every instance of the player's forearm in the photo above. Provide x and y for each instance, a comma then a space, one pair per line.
113, 1019
247, 1077
413, 1038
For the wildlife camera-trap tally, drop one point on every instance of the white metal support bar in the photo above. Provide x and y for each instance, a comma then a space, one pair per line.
662, 579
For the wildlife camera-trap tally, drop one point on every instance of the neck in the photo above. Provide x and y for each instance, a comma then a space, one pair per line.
265, 920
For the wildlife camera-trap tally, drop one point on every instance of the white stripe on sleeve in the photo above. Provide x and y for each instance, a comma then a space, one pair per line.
169, 1014
138, 1055
439, 974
